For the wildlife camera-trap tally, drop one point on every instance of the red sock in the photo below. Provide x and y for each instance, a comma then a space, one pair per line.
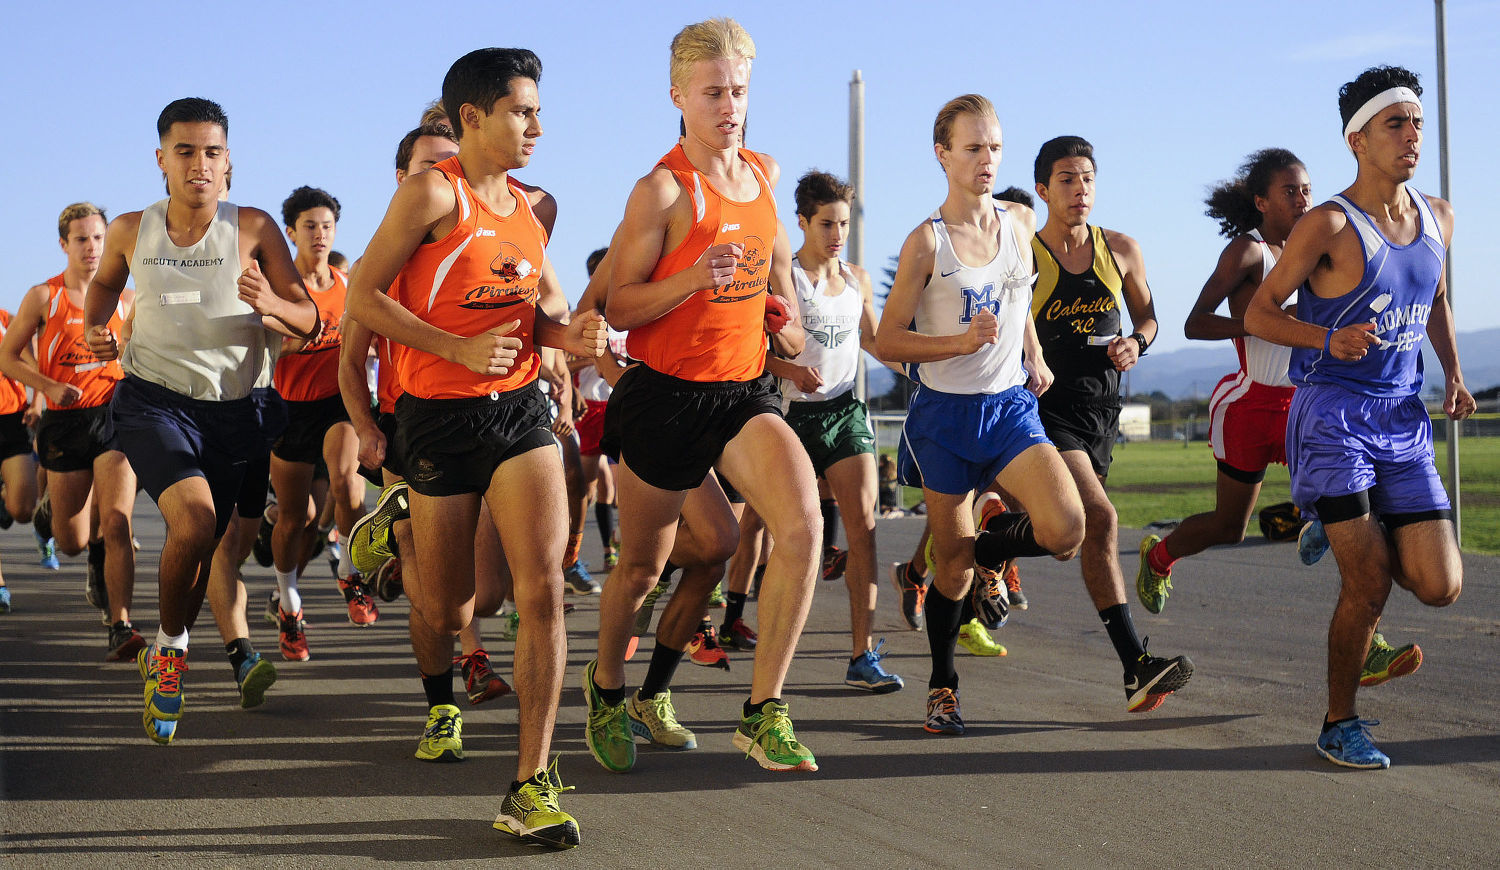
1159, 559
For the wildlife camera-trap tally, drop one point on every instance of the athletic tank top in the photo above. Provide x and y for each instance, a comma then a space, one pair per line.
63, 353
1077, 316
591, 384
312, 373
12, 392
192, 333
482, 275
1395, 292
954, 294
719, 334
1260, 360
387, 380
832, 326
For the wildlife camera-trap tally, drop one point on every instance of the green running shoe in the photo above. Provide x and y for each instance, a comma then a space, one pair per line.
608, 732
371, 541
656, 721
254, 677
1384, 662
532, 812
1151, 587
766, 736
443, 738
716, 597
648, 607
975, 638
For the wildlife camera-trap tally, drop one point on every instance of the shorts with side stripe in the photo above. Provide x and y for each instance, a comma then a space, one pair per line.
954, 444
1247, 423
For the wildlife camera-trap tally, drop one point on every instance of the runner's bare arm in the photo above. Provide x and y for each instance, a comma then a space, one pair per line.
634, 299
354, 388
1312, 240
271, 284
19, 364
1124, 351
791, 339
109, 282
1441, 332
894, 338
1238, 265
867, 322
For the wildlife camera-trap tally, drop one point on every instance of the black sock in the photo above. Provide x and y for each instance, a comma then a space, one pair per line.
1329, 726
666, 574
1122, 634
830, 509
536, 779
664, 662
439, 688
238, 650
751, 708
735, 609
944, 617
610, 696
915, 576
966, 611
1006, 536
96, 554
604, 515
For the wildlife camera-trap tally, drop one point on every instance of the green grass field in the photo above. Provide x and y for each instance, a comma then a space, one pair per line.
1162, 480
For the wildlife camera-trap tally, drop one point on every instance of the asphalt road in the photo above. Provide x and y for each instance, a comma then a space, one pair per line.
1053, 771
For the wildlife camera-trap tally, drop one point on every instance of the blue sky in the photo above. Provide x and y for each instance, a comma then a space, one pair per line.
1172, 94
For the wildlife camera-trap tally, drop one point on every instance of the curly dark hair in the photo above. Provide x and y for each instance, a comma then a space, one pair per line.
1371, 82
304, 198
1232, 202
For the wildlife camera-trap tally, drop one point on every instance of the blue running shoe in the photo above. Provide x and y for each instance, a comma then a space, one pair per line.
255, 676
865, 672
161, 668
578, 581
48, 549
4, 599
1312, 543
1348, 744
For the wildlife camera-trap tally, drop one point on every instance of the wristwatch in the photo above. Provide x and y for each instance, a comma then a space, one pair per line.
1140, 340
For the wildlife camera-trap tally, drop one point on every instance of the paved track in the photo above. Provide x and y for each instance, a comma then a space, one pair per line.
1053, 771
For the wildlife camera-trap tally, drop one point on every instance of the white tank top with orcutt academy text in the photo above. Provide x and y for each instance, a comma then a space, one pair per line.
192, 333
832, 327
955, 293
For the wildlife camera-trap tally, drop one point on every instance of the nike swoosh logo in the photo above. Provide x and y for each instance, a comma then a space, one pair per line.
954, 272
1135, 683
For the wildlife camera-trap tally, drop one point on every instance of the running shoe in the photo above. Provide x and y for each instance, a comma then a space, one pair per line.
648, 607
261, 549
987, 596
1312, 543
973, 637
911, 593
48, 548
767, 736
1150, 587
942, 713
654, 720
611, 558
1154, 679
578, 581
162, 668
254, 677
371, 541
608, 732
1348, 744
704, 649
124, 643
480, 680
1384, 662
865, 672
335, 554
716, 596
272, 613
835, 562
631, 646
532, 812
4, 599
293, 636
442, 740
1013, 592
512, 628
362, 611
738, 636
387, 580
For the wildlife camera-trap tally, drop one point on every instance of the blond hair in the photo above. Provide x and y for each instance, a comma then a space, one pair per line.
968, 104
434, 115
713, 39
75, 212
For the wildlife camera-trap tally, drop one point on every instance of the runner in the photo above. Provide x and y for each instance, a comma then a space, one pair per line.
1086, 276
963, 331
462, 248
818, 398
211, 277
1247, 425
91, 484
1359, 440
17, 462
595, 388
692, 259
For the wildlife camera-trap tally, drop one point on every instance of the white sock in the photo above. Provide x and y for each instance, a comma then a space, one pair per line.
346, 567
286, 585
175, 642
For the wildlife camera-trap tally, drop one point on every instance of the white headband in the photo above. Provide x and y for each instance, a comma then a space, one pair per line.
1372, 107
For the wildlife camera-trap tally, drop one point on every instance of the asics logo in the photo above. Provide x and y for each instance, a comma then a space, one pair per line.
729, 228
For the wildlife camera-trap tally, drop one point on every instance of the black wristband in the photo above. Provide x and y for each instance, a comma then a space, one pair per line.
1140, 340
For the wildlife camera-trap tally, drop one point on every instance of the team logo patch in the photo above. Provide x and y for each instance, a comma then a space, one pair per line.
830, 336
750, 273
516, 281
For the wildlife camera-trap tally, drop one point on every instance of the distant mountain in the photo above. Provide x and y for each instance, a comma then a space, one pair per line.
1193, 371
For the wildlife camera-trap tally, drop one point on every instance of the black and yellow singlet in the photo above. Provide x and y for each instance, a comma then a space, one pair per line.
1069, 310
